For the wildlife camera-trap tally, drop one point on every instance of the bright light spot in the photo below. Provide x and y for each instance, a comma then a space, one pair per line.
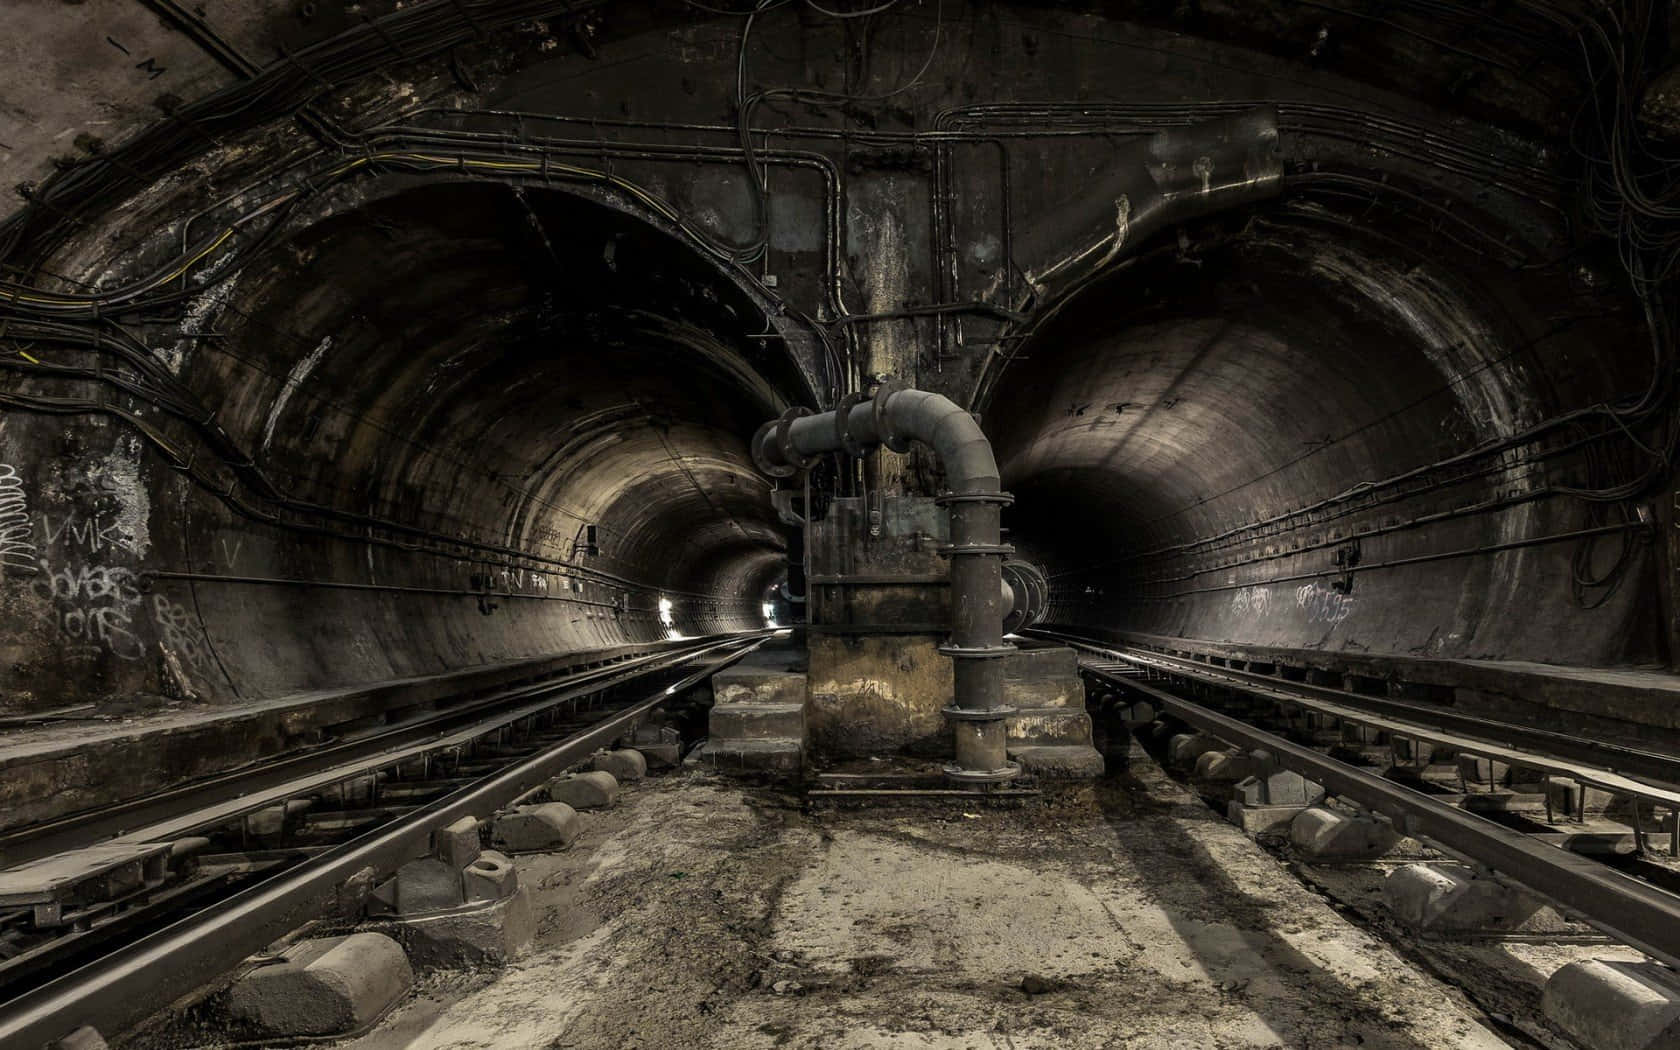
769, 615
668, 617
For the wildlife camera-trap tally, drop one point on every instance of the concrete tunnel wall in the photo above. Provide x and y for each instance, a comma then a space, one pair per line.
1194, 444
395, 361
483, 363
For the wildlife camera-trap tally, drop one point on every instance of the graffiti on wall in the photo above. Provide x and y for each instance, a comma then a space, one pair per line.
17, 533
1323, 604
75, 558
1318, 602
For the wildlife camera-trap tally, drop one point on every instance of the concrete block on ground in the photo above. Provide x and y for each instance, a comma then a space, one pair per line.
418, 886
1257, 820
777, 758
660, 746
83, 1038
326, 986
592, 790
490, 877
1568, 797
457, 845
756, 721
762, 678
1614, 1005
1225, 767
1322, 833
480, 934
529, 829
1279, 788
1450, 897
1185, 748
1060, 762
625, 764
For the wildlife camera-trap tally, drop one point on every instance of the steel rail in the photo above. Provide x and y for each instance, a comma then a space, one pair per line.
114, 993
1627, 909
253, 783
1663, 771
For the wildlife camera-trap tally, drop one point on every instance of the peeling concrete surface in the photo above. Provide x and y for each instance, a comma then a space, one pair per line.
699, 915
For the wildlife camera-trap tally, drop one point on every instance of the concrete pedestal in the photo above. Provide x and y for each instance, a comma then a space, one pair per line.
1613, 1005
323, 987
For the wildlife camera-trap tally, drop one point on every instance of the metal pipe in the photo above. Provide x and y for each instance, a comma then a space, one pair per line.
894, 417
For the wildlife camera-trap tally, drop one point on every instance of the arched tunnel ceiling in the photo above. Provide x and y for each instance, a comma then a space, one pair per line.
543, 362
440, 284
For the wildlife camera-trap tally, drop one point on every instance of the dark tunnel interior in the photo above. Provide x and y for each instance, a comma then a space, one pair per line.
1367, 390
1048, 401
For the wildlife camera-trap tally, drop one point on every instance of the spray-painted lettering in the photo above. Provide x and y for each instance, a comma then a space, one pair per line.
17, 547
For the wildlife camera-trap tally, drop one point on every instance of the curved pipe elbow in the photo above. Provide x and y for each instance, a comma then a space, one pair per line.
952, 433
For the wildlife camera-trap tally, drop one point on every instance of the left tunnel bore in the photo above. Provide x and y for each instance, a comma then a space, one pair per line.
421, 404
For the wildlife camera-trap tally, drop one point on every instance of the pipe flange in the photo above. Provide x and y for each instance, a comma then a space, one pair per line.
785, 444
760, 453
978, 652
884, 391
842, 418
945, 550
982, 776
976, 714
945, 499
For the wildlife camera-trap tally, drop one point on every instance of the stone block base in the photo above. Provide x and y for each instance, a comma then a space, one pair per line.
1067, 762
490, 934
1322, 833
1451, 898
1256, 820
528, 829
593, 790
1613, 1005
625, 765
323, 987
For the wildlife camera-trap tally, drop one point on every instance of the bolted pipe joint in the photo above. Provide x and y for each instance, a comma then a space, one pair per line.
980, 599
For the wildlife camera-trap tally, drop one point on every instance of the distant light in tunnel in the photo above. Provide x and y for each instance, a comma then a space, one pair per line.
770, 615
668, 618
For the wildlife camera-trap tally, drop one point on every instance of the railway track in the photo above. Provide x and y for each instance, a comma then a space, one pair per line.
107, 916
1347, 742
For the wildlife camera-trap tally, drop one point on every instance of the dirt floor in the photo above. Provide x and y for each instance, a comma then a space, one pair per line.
701, 914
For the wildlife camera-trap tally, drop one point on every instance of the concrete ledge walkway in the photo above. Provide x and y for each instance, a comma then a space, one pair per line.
1127, 914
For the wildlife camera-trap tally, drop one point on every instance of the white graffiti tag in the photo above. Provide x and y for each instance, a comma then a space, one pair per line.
94, 605
1322, 604
1251, 601
17, 549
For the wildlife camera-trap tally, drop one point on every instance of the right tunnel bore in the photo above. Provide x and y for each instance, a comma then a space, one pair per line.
1300, 437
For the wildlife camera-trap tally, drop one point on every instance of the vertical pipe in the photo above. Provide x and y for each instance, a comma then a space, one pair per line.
894, 417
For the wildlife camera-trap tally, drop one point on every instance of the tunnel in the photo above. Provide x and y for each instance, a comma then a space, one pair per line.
804, 508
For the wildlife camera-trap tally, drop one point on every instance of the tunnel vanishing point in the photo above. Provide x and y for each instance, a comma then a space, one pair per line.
1020, 423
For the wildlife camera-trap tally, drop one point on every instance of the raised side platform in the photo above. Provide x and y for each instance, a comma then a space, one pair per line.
52, 771
1635, 706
